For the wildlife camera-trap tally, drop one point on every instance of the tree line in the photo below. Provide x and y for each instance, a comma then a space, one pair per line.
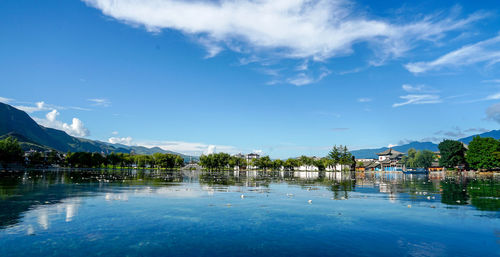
419, 159
97, 160
12, 153
482, 153
339, 155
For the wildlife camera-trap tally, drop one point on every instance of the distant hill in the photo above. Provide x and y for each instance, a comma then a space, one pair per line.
371, 153
31, 135
494, 134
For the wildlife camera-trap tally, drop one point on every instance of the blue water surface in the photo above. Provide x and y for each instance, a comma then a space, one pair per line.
192, 213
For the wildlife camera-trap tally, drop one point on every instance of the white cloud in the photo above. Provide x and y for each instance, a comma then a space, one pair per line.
51, 116
39, 106
100, 102
316, 29
418, 99
5, 100
391, 145
259, 152
493, 112
302, 78
189, 147
211, 149
417, 89
76, 128
364, 100
493, 97
495, 81
120, 140
114, 133
487, 51
303, 66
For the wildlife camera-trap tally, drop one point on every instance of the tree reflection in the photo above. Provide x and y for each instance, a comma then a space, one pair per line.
24, 190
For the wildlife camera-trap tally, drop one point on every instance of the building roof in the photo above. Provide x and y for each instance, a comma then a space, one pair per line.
372, 165
390, 151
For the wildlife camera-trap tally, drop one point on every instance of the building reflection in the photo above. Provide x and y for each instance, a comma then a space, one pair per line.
65, 189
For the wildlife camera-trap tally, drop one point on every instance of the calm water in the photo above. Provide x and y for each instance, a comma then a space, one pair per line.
137, 213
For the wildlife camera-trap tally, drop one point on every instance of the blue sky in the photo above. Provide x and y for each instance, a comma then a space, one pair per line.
280, 77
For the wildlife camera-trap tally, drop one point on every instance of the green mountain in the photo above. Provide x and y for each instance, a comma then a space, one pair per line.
31, 135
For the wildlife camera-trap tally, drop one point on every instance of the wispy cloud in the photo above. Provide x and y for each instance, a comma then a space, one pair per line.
455, 133
421, 94
191, 148
487, 51
418, 99
76, 128
476, 130
364, 100
418, 89
5, 100
302, 78
100, 102
42, 106
39, 106
326, 113
322, 29
495, 96
495, 81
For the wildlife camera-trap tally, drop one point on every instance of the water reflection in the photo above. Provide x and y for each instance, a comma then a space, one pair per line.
26, 190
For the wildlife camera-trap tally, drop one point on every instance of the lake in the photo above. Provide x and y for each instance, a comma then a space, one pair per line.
194, 213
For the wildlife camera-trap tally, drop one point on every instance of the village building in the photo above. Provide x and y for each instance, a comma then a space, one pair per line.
390, 160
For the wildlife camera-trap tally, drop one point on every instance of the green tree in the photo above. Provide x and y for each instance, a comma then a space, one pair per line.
345, 156
179, 161
97, 160
215, 161
306, 161
452, 153
277, 164
10, 151
53, 158
340, 155
113, 159
410, 160
264, 162
290, 164
482, 153
236, 161
36, 159
424, 159
322, 163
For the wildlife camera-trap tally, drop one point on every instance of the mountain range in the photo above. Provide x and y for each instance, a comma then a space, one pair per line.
31, 135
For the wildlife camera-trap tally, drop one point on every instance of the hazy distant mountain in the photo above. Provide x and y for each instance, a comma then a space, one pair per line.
494, 134
371, 153
31, 135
